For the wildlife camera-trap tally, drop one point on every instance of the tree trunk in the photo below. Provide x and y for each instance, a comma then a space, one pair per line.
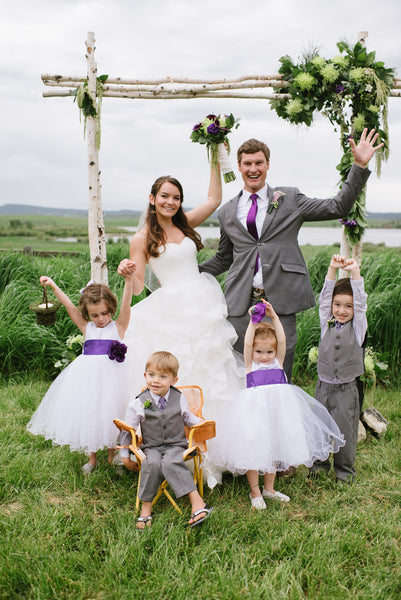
97, 237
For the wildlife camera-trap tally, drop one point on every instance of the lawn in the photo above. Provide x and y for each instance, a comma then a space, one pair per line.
67, 537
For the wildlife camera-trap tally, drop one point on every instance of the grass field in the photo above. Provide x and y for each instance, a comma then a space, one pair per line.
65, 537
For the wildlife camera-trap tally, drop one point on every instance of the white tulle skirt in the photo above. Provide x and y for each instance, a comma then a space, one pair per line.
80, 405
272, 427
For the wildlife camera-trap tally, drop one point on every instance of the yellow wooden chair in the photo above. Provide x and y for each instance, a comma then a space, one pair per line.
196, 435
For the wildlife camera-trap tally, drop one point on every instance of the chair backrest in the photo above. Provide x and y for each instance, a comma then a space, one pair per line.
194, 395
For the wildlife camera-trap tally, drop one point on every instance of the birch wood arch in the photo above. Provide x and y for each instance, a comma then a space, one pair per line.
168, 88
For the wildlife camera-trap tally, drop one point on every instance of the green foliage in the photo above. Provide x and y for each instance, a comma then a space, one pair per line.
352, 90
67, 537
89, 106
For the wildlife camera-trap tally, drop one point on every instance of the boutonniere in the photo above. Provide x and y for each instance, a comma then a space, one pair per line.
331, 322
148, 404
274, 203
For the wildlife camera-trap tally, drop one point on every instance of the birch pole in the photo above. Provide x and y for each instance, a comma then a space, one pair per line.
345, 248
97, 236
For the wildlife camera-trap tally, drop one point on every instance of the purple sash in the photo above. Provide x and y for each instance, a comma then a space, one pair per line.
113, 348
265, 377
97, 346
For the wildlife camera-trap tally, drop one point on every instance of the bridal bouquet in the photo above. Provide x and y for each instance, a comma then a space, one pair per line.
213, 131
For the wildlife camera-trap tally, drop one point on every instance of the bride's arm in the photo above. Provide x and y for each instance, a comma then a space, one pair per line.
136, 264
200, 213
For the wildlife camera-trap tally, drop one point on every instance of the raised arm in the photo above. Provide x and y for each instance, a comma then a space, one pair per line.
123, 318
74, 313
280, 334
248, 343
135, 265
200, 213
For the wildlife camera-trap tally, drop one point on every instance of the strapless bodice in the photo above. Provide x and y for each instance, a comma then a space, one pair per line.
176, 264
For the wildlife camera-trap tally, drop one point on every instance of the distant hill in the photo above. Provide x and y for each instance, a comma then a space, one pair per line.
27, 209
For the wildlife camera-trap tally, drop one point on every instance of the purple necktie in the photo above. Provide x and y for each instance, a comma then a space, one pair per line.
162, 403
251, 224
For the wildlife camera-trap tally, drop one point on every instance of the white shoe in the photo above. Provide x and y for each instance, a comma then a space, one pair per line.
87, 468
258, 503
276, 496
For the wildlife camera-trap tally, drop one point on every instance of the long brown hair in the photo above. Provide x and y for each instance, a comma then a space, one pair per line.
156, 236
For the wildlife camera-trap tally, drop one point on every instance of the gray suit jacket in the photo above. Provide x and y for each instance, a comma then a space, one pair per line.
285, 276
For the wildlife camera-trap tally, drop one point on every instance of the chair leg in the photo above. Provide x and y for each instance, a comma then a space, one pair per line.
137, 491
162, 490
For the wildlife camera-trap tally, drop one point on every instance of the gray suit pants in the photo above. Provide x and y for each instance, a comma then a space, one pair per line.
165, 462
342, 402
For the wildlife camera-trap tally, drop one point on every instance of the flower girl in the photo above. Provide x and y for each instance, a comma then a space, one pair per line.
271, 425
80, 405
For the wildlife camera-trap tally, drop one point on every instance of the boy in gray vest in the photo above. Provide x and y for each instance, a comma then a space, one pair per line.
343, 325
162, 411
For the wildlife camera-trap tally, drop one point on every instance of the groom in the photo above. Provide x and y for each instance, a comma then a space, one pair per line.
258, 239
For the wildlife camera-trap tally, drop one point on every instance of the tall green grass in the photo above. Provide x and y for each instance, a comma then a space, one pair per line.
28, 347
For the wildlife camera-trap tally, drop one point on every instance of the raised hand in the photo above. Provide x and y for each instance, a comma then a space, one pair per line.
366, 148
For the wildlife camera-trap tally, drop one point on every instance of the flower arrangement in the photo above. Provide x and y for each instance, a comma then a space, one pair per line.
74, 345
148, 404
351, 90
213, 132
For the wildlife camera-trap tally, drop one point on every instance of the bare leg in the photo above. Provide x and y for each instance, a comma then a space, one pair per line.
111, 455
253, 480
269, 482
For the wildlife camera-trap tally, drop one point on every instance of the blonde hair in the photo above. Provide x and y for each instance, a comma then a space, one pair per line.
94, 294
163, 361
266, 331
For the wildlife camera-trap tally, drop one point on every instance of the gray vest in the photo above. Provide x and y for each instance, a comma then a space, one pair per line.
340, 355
163, 427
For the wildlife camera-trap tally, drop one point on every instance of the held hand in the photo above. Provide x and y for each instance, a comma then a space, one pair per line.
126, 268
270, 312
44, 280
366, 148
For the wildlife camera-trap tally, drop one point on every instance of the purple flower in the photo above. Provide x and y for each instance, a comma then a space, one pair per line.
213, 128
339, 88
211, 117
117, 351
197, 126
348, 223
258, 312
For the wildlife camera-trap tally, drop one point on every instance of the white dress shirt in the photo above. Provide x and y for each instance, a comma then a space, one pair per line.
243, 206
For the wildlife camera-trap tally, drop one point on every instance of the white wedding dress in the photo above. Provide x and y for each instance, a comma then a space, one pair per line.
187, 317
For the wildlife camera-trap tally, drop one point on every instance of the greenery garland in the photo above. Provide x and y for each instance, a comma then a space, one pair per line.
350, 89
87, 106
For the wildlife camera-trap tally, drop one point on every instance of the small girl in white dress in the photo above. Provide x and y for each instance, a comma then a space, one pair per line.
271, 425
80, 405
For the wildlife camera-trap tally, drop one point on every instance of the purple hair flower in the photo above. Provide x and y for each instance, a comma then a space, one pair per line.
258, 312
117, 351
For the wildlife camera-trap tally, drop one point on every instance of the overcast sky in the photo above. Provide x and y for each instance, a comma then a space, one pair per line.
43, 152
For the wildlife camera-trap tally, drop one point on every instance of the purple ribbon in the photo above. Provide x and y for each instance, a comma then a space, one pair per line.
265, 377
251, 224
113, 348
258, 312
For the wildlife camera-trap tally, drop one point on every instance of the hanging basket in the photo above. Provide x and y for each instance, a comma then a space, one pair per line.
45, 311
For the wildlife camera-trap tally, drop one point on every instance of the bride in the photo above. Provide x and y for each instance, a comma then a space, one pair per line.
187, 314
